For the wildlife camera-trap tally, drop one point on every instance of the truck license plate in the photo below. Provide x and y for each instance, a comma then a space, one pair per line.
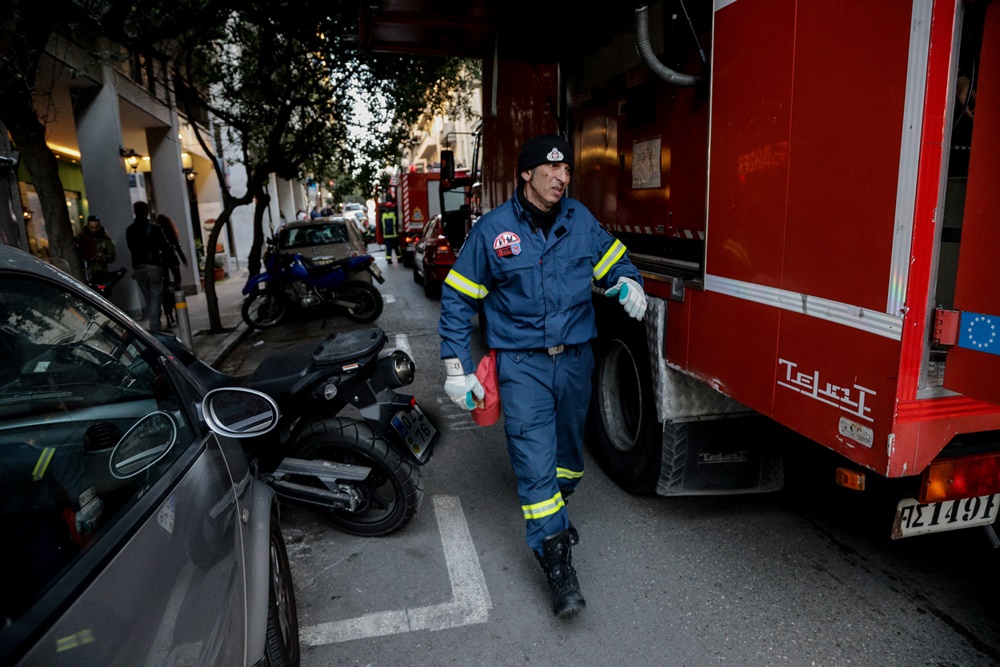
912, 518
415, 429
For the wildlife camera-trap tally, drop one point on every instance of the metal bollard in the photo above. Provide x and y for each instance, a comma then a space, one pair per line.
183, 319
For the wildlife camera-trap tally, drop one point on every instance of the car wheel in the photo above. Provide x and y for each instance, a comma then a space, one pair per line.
417, 278
282, 642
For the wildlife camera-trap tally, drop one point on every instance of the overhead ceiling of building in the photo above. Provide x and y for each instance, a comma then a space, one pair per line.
520, 29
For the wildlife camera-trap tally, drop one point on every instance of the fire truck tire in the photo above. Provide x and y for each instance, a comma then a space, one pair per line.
623, 432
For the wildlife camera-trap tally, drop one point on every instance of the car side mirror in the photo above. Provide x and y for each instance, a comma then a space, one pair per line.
236, 412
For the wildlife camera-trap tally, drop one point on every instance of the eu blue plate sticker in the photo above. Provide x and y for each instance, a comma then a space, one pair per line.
978, 332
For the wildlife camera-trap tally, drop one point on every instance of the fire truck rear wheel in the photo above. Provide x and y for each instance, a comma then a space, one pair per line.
623, 431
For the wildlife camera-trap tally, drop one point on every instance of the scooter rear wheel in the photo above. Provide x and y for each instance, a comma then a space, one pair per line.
368, 299
264, 308
389, 495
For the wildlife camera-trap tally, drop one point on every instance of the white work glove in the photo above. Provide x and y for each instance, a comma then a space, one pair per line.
464, 389
630, 295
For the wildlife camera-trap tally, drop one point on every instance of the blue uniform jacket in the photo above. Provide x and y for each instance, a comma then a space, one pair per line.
536, 292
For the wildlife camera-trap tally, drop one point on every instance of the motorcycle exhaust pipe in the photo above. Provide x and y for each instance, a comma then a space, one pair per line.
396, 369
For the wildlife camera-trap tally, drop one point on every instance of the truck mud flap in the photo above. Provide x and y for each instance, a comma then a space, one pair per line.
721, 456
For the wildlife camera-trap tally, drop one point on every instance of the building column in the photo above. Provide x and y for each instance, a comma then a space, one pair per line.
172, 194
99, 135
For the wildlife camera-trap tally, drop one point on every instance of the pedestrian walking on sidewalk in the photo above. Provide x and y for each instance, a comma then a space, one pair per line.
531, 263
149, 248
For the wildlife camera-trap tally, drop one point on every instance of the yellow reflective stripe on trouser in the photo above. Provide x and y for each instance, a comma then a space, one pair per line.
613, 254
544, 508
43, 463
566, 473
465, 286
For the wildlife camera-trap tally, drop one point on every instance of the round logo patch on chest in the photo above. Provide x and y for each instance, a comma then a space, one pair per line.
506, 244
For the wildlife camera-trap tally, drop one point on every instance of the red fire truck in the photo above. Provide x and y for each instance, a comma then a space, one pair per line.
816, 224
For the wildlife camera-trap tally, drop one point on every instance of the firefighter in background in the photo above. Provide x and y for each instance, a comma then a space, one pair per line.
389, 226
531, 264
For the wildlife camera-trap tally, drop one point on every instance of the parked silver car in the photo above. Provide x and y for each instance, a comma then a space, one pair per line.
134, 533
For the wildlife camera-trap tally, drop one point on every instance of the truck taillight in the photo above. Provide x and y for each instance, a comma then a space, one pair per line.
965, 477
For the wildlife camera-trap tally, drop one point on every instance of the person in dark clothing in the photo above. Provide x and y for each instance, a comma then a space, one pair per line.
176, 256
96, 247
148, 245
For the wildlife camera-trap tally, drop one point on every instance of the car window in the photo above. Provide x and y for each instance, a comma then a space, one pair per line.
316, 234
73, 383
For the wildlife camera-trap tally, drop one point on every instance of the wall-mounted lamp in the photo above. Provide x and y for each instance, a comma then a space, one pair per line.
190, 174
131, 158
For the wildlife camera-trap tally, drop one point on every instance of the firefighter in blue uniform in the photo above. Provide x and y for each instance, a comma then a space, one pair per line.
532, 263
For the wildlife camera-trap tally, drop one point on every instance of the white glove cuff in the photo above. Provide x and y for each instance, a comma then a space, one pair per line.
453, 367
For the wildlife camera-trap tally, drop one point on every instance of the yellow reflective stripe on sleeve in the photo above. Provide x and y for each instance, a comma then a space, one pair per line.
42, 464
613, 254
566, 473
544, 508
465, 286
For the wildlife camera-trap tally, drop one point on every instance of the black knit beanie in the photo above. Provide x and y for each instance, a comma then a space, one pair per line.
547, 148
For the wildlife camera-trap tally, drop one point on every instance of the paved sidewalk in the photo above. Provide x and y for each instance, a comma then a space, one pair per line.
213, 347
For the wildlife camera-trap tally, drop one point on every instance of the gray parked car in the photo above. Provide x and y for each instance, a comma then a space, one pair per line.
134, 530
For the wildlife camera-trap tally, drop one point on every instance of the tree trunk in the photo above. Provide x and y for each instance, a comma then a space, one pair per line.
28, 134
254, 260
11, 220
211, 299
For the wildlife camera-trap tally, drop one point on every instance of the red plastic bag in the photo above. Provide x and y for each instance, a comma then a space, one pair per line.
487, 411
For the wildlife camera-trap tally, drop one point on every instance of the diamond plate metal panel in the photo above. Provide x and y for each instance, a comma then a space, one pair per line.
680, 397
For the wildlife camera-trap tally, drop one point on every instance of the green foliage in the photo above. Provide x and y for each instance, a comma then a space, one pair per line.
299, 97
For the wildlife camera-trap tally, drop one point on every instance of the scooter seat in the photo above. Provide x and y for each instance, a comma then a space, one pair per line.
345, 346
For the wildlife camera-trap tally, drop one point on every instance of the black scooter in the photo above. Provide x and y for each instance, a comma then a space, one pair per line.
362, 476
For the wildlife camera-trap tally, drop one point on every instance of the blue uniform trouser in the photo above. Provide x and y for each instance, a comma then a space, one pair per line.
545, 401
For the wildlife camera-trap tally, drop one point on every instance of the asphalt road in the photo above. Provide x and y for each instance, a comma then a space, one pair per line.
806, 576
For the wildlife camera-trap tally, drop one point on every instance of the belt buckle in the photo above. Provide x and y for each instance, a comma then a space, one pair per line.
558, 349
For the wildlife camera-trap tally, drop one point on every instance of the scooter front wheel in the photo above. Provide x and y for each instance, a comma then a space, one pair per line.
368, 300
389, 495
264, 308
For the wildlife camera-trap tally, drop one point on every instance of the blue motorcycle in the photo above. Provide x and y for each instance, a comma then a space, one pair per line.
295, 281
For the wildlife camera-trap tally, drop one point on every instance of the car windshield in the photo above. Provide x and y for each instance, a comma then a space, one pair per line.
315, 234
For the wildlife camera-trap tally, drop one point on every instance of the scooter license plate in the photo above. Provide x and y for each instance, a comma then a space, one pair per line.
415, 429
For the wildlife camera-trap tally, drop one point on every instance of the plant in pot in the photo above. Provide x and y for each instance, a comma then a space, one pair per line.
221, 263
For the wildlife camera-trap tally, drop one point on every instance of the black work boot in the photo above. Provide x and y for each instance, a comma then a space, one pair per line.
557, 562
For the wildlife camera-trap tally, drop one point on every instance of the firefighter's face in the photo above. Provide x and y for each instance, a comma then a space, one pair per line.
546, 184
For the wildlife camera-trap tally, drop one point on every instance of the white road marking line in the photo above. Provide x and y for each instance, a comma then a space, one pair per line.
457, 418
403, 343
470, 599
